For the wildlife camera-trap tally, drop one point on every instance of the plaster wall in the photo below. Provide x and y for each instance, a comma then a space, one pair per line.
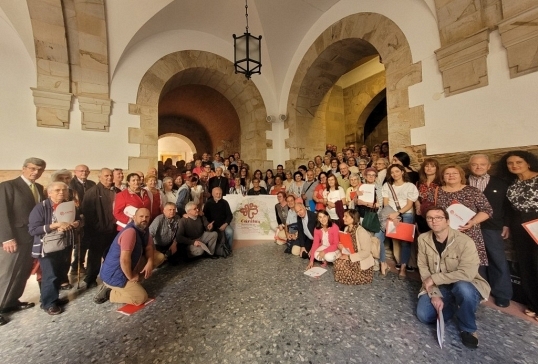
172, 144
500, 115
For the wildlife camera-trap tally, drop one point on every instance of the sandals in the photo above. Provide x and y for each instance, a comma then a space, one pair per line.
66, 287
530, 313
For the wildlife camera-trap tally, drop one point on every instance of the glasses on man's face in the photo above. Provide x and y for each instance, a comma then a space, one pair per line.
435, 218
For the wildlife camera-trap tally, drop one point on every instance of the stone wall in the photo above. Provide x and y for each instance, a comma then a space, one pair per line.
357, 98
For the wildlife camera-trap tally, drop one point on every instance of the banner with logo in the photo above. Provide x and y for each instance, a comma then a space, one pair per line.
254, 216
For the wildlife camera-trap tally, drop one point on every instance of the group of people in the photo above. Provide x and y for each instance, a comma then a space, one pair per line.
118, 231
458, 267
128, 228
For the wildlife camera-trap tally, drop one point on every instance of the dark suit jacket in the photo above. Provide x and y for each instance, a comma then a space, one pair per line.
495, 192
221, 182
301, 237
75, 185
16, 203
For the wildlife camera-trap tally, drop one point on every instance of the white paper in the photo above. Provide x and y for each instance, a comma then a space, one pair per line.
391, 228
459, 215
440, 328
206, 249
532, 229
65, 212
130, 211
315, 272
368, 193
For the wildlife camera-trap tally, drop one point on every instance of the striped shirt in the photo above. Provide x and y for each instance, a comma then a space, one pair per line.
479, 182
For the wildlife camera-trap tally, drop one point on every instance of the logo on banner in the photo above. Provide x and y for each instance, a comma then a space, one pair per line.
249, 210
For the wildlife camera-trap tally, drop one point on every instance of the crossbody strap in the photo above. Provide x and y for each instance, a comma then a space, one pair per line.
394, 197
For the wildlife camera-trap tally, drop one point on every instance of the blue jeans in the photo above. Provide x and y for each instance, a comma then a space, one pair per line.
382, 254
497, 272
229, 232
460, 298
406, 246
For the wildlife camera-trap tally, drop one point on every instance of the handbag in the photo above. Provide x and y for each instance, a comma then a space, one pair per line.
55, 241
371, 222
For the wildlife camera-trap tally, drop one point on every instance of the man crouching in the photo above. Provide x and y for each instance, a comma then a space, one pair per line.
130, 256
448, 264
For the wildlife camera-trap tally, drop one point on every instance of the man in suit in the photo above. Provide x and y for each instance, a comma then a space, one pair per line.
306, 223
495, 229
17, 199
219, 181
80, 183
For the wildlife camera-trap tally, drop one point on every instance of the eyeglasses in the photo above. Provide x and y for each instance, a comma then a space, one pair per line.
371, 175
435, 218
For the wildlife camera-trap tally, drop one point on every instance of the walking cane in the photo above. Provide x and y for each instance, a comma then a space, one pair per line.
78, 263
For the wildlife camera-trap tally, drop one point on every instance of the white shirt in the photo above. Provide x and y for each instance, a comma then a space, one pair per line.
333, 196
405, 192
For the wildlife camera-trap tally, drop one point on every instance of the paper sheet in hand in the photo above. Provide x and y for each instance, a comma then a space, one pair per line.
440, 328
459, 215
65, 212
532, 229
206, 249
130, 309
368, 193
315, 272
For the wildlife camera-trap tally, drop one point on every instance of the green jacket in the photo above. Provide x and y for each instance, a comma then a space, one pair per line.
459, 262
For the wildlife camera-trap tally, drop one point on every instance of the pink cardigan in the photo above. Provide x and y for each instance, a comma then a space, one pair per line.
334, 239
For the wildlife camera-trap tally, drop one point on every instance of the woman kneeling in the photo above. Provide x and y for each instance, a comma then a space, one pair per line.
356, 268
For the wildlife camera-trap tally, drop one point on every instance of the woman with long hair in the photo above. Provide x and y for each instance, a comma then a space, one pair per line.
403, 159
269, 179
428, 188
325, 243
333, 195
400, 195
521, 169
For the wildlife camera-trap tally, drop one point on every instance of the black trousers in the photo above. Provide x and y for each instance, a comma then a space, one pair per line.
98, 246
51, 269
527, 257
497, 273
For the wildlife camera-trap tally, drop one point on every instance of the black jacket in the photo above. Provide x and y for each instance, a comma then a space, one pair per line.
495, 192
97, 208
303, 240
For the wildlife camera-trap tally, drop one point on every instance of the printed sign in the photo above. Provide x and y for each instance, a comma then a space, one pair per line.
254, 216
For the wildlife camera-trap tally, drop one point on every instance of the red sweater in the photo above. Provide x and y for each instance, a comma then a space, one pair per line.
334, 239
126, 198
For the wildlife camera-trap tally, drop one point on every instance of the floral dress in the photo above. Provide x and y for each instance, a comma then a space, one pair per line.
474, 199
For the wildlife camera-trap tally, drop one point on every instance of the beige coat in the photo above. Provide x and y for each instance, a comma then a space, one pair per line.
364, 244
459, 262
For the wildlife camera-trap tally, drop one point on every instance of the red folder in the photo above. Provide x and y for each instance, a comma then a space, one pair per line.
130, 309
345, 240
401, 231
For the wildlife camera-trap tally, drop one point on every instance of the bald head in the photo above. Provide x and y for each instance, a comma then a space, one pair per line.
82, 172
141, 218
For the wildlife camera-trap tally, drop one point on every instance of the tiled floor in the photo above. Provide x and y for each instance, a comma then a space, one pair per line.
258, 307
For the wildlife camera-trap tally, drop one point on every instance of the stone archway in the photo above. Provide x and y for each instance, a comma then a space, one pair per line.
198, 68
332, 53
